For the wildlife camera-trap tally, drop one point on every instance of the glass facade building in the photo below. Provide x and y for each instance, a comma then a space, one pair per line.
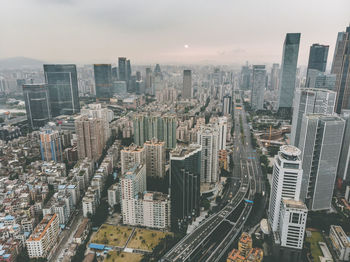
103, 80
62, 84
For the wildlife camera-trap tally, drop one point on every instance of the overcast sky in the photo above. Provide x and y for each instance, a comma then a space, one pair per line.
150, 31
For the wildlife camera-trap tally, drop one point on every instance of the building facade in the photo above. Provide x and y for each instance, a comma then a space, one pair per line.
51, 145
155, 158
187, 85
258, 87
103, 81
131, 156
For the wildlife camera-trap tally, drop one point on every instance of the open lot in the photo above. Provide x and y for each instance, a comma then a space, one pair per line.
146, 239
116, 256
112, 235
315, 249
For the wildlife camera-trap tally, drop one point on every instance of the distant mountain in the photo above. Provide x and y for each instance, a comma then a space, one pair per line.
20, 62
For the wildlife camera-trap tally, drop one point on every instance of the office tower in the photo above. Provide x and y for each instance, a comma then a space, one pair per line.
288, 72
184, 187
51, 145
149, 82
158, 79
343, 171
62, 84
131, 156
44, 237
103, 80
275, 72
119, 88
187, 85
320, 144
286, 181
122, 69
128, 69
169, 127
324, 81
317, 59
90, 136
226, 105
155, 158
208, 138
36, 99
245, 77
290, 237
341, 68
258, 87
310, 101
138, 76
115, 73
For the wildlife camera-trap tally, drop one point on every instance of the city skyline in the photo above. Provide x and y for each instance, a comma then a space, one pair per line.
172, 32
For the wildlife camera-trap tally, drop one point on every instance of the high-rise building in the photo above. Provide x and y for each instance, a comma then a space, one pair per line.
122, 69
341, 68
131, 156
325, 81
317, 59
44, 237
222, 128
149, 88
258, 87
90, 136
103, 80
184, 186
36, 98
320, 144
245, 77
155, 158
62, 84
288, 71
187, 85
286, 181
290, 236
310, 101
208, 138
169, 127
51, 145
343, 171
128, 69
275, 72
226, 105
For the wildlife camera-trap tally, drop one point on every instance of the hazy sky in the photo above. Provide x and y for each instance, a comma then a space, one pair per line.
150, 31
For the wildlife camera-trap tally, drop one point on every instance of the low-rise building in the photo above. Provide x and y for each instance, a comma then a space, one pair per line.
340, 242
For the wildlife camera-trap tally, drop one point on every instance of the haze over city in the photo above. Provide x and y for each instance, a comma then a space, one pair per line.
216, 32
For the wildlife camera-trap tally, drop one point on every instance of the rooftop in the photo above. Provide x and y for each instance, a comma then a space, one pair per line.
289, 203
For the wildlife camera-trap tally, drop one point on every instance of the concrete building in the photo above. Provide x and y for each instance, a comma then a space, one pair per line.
343, 171
50, 145
226, 105
275, 72
320, 144
208, 138
310, 101
258, 87
155, 158
90, 136
44, 237
187, 85
286, 181
113, 195
340, 242
103, 81
131, 156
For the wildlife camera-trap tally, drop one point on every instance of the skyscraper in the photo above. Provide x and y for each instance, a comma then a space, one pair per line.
258, 87
317, 59
341, 68
184, 186
51, 145
62, 85
343, 171
103, 80
208, 138
90, 136
320, 144
226, 105
122, 69
286, 181
245, 77
169, 127
275, 72
36, 99
155, 158
149, 82
128, 69
310, 101
187, 85
288, 71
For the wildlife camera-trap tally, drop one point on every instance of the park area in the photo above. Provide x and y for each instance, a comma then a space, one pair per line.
145, 239
112, 235
117, 256
314, 247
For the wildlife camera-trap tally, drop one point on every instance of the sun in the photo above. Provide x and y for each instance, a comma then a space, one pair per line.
186, 46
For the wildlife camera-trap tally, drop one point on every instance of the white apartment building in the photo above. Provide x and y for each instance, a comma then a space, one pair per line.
44, 237
286, 181
340, 242
131, 156
113, 195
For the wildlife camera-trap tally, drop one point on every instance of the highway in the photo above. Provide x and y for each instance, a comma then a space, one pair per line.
211, 239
